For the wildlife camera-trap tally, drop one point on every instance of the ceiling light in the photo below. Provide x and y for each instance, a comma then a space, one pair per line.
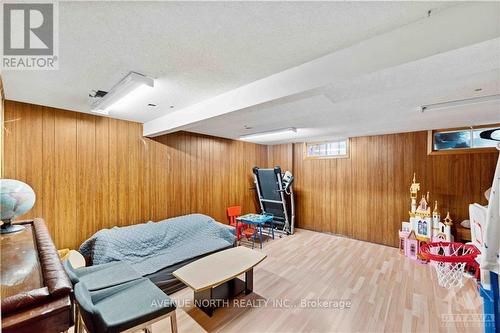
128, 89
269, 135
462, 102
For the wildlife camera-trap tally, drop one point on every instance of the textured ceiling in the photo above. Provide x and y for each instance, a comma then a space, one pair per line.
199, 50
196, 50
387, 101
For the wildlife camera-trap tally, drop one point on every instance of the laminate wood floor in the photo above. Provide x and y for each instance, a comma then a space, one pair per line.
387, 292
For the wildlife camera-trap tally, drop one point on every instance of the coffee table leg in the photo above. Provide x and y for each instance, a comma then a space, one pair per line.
203, 300
249, 281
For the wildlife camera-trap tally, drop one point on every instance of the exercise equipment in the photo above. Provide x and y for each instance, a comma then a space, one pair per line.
275, 195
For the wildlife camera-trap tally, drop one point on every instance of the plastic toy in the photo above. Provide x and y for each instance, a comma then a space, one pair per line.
423, 227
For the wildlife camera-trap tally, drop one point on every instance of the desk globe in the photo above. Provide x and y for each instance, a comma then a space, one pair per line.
16, 199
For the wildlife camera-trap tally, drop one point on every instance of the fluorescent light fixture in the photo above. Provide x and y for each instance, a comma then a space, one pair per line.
462, 102
122, 93
269, 135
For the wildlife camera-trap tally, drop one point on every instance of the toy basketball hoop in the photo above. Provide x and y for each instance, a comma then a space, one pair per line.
450, 260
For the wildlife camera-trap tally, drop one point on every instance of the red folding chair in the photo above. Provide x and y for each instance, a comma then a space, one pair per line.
233, 212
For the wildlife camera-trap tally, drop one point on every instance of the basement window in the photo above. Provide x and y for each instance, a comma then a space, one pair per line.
460, 140
327, 149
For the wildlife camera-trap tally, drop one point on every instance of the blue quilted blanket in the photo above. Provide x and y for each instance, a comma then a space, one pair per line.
151, 246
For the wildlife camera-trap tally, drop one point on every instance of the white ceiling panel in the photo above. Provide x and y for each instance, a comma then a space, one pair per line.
199, 51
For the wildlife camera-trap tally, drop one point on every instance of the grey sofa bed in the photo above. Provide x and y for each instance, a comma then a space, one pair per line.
156, 249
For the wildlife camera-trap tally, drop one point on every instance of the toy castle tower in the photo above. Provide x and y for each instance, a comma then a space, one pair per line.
436, 219
421, 220
424, 226
414, 188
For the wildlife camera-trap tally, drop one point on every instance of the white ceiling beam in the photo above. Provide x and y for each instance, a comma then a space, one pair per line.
449, 29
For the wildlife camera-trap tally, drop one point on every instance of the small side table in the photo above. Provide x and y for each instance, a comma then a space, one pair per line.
257, 220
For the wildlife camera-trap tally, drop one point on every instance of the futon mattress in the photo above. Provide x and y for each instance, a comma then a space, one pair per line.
152, 246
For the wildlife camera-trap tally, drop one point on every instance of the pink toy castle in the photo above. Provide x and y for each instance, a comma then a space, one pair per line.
424, 226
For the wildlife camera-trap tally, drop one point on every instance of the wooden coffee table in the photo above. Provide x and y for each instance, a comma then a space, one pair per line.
214, 278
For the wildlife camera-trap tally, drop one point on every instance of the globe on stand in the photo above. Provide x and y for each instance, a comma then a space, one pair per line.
16, 199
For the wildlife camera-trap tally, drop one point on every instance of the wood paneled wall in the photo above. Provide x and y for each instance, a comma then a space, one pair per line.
281, 155
92, 172
366, 196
